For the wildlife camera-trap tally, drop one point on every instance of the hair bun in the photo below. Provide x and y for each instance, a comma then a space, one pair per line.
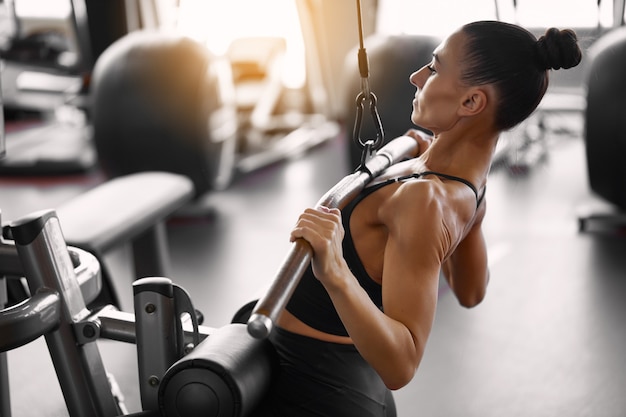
558, 49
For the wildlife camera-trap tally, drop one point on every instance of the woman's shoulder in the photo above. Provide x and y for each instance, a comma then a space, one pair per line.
414, 201
427, 203
414, 216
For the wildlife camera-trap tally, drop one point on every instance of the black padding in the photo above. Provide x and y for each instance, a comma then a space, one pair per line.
155, 99
392, 59
228, 374
243, 314
605, 118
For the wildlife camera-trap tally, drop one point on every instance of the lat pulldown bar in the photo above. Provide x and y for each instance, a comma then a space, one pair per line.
269, 307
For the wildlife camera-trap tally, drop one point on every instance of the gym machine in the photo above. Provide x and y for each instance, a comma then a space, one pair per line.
185, 368
218, 374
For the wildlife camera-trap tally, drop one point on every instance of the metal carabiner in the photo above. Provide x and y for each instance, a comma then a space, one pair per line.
367, 147
380, 135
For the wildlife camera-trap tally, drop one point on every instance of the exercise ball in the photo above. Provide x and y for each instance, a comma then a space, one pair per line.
159, 104
605, 117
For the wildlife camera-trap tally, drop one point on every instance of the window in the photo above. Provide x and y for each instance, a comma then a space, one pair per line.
441, 17
561, 13
217, 23
438, 18
49, 9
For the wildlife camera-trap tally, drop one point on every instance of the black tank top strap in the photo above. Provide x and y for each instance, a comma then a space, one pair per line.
453, 178
479, 199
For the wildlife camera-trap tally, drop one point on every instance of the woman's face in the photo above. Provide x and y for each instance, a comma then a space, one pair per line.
439, 89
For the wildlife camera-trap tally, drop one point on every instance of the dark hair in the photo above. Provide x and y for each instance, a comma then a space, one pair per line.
516, 63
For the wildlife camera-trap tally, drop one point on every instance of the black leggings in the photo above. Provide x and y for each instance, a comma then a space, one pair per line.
324, 379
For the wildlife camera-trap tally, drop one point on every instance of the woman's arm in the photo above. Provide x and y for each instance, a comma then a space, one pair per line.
466, 270
392, 342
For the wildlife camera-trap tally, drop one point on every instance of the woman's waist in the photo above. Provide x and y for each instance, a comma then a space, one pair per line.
293, 324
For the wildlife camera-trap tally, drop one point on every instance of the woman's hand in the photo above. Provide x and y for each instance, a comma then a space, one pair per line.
321, 227
423, 140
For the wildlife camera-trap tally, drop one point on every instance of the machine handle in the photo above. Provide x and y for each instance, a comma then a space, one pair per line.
86, 267
26, 321
269, 307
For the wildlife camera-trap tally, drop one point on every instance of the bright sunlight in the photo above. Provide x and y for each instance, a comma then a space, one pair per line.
216, 23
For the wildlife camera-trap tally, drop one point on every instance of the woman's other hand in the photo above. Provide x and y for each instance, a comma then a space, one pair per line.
423, 140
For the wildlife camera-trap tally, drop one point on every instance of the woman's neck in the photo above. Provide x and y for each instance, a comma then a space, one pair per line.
467, 156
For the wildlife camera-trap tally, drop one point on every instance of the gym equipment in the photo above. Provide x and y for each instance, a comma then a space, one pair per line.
367, 146
274, 301
3, 148
275, 122
159, 103
49, 148
47, 265
183, 371
47, 64
605, 125
164, 102
97, 222
230, 371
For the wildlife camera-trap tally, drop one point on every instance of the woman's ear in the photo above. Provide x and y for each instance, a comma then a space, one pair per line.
474, 102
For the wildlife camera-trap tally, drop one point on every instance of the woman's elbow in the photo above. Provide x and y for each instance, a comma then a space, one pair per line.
400, 380
471, 298
471, 301
399, 375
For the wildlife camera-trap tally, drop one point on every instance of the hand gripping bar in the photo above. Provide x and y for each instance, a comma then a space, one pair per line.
269, 307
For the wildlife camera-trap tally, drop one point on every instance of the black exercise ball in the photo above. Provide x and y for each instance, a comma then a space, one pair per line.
605, 117
157, 105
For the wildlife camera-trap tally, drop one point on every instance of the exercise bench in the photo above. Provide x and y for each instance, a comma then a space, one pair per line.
131, 209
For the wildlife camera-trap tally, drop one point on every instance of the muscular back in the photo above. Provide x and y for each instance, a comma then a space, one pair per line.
441, 209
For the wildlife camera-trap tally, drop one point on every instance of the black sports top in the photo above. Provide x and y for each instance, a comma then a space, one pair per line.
311, 303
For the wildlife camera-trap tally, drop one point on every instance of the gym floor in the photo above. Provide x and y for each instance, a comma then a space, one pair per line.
547, 341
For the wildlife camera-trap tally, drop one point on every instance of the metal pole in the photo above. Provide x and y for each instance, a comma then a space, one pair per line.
5, 397
47, 264
157, 349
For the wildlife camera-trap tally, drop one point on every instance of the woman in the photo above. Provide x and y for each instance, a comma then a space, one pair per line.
357, 325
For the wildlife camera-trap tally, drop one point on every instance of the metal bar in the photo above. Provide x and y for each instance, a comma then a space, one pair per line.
120, 326
269, 307
5, 395
47, 264
156, 332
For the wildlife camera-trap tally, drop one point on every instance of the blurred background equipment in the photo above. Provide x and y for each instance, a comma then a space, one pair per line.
158, 106
605, 126
48, 51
